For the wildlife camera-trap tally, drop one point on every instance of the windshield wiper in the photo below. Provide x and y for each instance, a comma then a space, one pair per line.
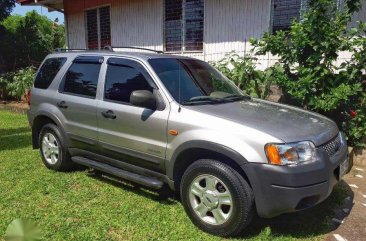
202, 100
237, 97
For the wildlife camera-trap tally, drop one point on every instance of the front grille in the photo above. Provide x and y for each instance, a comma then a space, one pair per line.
333, 146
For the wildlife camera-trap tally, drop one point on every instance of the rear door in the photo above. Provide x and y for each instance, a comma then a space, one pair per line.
78, 103
131, 134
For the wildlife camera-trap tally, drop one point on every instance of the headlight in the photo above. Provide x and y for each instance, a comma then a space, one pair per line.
289, 154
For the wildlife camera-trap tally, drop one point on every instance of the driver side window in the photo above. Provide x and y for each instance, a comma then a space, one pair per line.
122, 78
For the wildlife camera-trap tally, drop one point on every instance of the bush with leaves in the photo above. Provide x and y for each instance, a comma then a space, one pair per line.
308, 53
15, 84
243, 71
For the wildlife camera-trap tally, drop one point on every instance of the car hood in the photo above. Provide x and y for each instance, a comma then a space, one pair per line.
288, 123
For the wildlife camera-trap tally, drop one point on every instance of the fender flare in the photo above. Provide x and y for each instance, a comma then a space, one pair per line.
54, 118
207, 145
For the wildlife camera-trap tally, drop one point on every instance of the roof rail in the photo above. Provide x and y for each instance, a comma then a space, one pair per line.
110, 48
58, 50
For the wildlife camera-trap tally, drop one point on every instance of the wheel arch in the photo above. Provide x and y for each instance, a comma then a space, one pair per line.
192, 151
41, 119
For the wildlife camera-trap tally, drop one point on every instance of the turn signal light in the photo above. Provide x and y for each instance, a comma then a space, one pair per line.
273, 155
173, 132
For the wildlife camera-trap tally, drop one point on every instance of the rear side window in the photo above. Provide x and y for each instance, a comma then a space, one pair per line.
48, 72
123, 77
82, 77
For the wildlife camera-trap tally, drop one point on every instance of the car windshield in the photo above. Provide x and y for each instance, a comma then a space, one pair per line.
192, 82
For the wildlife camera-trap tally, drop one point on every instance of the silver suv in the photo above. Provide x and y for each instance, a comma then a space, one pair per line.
158, 119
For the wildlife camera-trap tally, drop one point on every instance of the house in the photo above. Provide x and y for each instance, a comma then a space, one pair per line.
206, 29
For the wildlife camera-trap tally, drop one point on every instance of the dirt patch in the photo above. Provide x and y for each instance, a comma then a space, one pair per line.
349, 222
16, 106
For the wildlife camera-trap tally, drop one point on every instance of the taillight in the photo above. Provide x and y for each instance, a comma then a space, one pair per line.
28, 96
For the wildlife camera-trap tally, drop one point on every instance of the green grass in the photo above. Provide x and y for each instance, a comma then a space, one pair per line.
81, 206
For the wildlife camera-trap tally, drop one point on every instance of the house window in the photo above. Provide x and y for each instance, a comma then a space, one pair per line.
98, 27
183, 26
284, 12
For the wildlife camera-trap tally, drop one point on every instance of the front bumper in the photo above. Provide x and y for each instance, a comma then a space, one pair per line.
283, 189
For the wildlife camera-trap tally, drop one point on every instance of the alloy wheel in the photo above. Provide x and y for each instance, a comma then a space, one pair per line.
211, 199
50, 148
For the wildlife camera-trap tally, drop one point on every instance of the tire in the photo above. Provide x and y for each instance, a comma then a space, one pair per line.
217, 217
53, 149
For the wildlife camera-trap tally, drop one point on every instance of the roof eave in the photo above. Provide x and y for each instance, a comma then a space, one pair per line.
52, 5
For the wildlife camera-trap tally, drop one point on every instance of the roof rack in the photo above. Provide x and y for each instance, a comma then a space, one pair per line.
110, 48
69, 50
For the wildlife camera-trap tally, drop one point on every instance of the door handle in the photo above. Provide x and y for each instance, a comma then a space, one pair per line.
62, 104
109, 114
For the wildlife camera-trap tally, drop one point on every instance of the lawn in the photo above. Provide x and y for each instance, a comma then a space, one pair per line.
83, 206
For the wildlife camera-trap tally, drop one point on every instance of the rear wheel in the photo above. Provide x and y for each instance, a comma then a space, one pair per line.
53, 149
217, 198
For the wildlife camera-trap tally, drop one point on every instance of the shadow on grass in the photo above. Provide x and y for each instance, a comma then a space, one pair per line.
308, 223
304, 224
14, 131
15, 138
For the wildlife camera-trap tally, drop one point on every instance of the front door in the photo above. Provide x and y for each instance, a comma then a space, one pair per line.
128, 133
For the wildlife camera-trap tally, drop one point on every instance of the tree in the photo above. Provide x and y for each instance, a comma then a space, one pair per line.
6, 6
28, 39
308, 54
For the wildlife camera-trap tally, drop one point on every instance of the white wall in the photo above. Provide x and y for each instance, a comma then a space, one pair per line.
137, 23
76, 30
361, 15
229, 24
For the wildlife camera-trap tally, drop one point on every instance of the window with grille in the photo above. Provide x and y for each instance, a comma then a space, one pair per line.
284, 12
98, 27
183, 26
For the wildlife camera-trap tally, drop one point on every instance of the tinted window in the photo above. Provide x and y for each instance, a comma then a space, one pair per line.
123, 77
187, 79
82, 78
48, 72
172, 75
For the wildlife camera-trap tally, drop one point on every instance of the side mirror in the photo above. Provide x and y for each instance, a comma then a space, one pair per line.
143, 98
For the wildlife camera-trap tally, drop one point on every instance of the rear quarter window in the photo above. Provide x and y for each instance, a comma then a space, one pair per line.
48, 72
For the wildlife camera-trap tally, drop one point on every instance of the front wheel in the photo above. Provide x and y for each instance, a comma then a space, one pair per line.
217, 198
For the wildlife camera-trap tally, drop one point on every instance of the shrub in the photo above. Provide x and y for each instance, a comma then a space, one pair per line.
243, 71
310, 78
15, 84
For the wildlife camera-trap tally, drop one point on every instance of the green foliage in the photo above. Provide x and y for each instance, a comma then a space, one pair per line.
6, 6
29, 39
243, 71
311, 77
15, 84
